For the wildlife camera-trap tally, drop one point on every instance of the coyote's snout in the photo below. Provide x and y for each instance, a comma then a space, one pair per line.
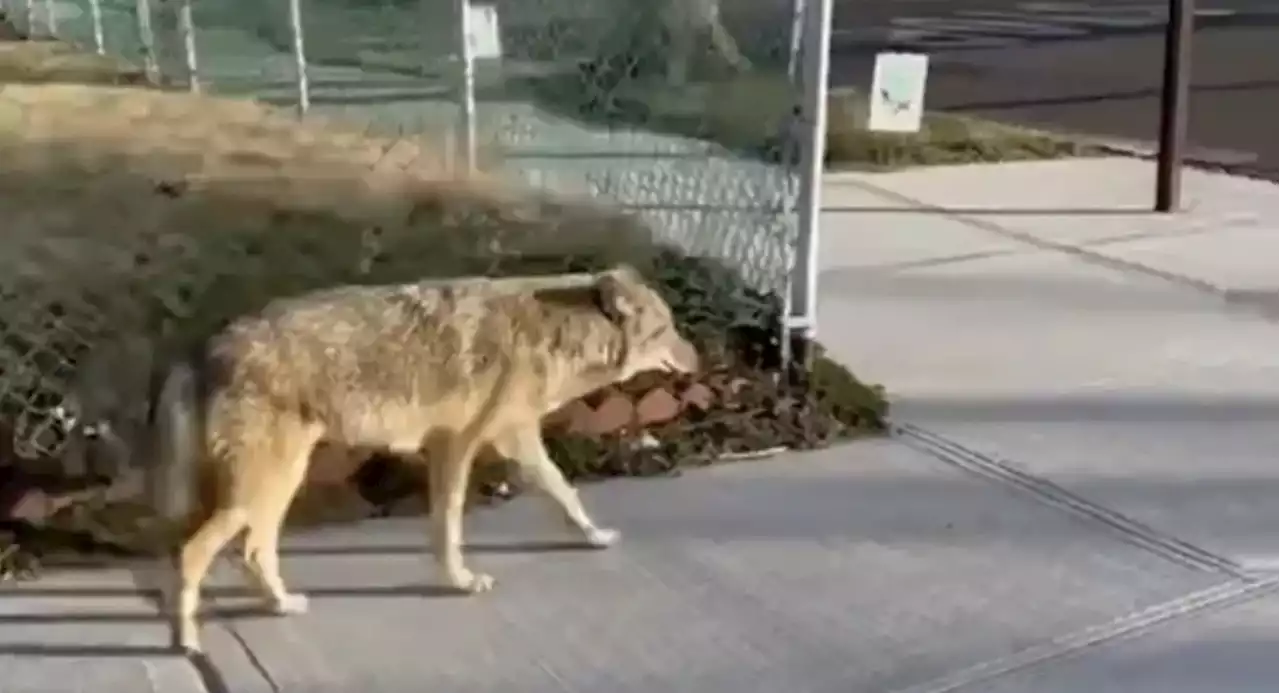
443, 368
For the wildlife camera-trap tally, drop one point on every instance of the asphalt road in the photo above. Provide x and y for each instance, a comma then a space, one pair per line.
1091, 68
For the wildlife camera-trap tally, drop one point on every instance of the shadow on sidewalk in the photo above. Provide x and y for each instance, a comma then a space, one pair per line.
418, 590
993, 211
1111, 408
82, 651
1036, 291
209, 613
70, 562
1257, 85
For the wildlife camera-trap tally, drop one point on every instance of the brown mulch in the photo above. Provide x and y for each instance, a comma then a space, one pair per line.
7, 30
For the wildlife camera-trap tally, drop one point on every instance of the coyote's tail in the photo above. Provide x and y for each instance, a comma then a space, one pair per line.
171, 480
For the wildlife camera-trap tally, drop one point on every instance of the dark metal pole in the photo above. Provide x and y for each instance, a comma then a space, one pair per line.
1174, 92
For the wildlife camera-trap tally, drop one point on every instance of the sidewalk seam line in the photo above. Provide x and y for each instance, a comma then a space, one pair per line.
254, 660
1148, 538
1239, 587
1125, 627
1076, 251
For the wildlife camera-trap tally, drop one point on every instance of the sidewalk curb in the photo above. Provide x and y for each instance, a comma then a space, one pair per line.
1221, 161
1258, 301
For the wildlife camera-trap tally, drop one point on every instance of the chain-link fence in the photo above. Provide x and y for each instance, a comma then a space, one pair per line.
688, 112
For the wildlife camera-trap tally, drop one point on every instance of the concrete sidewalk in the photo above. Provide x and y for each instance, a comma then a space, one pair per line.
1091, 345
870, 568
1225, 240
1083, 496
1117, 364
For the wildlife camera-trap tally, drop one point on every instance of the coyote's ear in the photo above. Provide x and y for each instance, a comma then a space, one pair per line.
613, 299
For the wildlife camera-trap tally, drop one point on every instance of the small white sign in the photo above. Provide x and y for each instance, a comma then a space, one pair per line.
897, 92
483, 38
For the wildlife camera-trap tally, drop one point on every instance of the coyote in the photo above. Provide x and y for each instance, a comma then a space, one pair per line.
446, 368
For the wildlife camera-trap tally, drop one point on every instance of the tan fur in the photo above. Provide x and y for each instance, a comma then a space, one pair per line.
440, 367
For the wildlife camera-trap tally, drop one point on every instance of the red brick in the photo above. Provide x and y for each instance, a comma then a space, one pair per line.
561, 417
31, 505
571, 416
595, 398
698, 396
574, 417
615, 413
646, 381
658, 406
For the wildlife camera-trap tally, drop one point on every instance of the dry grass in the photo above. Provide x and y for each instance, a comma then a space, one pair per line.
44, 61
111, 181
63, 123
943, 138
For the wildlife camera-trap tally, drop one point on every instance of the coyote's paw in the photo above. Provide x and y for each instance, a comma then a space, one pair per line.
601, 537
290, 604
469, 582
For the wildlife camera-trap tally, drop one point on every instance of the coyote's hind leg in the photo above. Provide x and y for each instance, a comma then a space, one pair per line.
449, 469
277, 483
197, 556
256, 471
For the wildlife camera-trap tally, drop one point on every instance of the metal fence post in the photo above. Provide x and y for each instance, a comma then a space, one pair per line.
50, 18
1175, 86
467, 114
29, 10
802, 300
95, 13
799, 16
147, 40
187, 30
299, 57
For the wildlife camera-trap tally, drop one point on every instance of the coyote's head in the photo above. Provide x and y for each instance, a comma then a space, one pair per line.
651, 339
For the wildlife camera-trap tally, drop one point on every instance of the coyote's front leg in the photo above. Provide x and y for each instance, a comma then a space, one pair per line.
524, 447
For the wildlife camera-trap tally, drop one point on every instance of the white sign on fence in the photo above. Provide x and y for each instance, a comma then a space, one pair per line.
897, 92
482, 31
